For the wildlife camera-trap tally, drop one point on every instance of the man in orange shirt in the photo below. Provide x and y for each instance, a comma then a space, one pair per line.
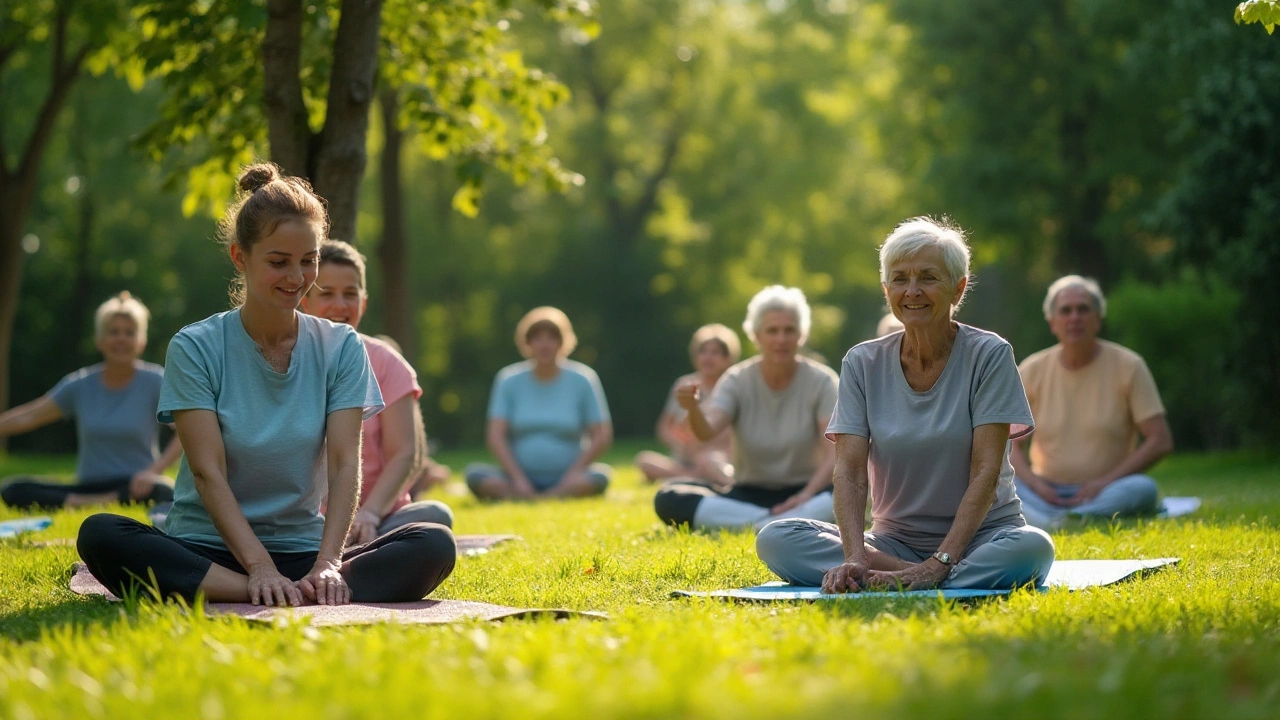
1099, 421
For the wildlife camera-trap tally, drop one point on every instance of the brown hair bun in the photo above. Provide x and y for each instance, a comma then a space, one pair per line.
258, 176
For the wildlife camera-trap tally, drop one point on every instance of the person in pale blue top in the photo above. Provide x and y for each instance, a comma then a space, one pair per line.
269, 404
114, 406
922, 425
548, 420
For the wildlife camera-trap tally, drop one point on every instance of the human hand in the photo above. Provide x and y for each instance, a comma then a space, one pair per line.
687, 395
1045, 490
921, 576
324, 585
523, 488
791, 503
845, 578
1087, 492
364, 528
143, 481
268, 587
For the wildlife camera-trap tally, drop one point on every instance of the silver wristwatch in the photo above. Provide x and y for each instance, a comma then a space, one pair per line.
944, 558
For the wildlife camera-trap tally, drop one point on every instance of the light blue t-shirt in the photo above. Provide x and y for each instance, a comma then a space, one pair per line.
547, 421
272, 423
116, 430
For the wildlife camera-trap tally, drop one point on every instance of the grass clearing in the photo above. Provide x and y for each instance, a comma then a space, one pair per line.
1198, 640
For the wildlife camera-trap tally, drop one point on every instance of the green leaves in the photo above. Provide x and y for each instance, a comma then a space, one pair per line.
1266, 12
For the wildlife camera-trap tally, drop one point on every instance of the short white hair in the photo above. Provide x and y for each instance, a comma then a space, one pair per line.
122, 305
918, 233
1088, 285
778, 298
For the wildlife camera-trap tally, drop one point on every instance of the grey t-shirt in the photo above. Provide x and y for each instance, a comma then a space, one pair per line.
116, 430
922, 442
777, 434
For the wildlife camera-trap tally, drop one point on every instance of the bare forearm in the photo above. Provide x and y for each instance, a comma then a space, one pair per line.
224, 510
969, 516
601, 438
344, 493
698, 423
171, 453
821, 479
1019, 460
850, 504
392, 483
29, 416
1148, 453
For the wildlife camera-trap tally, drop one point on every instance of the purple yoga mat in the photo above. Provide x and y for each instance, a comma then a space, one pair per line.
422, 612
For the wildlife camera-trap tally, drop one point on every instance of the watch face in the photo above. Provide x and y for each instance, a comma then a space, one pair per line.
944, 557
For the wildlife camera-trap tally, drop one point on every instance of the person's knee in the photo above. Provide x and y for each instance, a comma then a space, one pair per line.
98, 533
774, 541
439, 513
1035, 550
675, 505
1144, 492
598, 476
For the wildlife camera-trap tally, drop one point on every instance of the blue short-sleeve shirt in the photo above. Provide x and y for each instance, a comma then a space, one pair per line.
546, 421
116, 430
273, 424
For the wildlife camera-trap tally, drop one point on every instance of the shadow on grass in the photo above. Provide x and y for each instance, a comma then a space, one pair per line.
78, 613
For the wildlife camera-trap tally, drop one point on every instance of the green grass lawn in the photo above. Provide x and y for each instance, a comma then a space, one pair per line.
1201, 640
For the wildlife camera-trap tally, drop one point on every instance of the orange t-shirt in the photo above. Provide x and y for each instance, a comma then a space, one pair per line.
1087, 419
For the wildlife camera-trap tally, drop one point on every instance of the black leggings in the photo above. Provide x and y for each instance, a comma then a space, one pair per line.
400, 566
678, 499
33, 493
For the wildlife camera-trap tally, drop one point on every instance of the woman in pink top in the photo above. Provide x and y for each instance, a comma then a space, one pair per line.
394, 449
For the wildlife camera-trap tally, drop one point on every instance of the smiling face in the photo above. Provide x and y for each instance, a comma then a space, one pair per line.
1075, 319
778, 337
281, 267
337, 295
920, 292
120, 342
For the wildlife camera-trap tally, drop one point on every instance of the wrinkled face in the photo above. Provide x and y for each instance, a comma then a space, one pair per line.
337, 295
1074, 318
712, 359
778, 336
544, 346
120, 341
919, 291
281, 267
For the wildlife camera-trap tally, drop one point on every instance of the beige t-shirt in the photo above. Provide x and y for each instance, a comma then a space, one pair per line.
776, 433
1087, 419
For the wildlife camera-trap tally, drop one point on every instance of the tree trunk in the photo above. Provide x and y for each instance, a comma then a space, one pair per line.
1080, 250
393, 251
341, 156
11, 225
287, 129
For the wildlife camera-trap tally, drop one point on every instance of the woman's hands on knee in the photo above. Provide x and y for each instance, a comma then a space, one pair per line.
845, 578
268, 587
364, 528
324, 585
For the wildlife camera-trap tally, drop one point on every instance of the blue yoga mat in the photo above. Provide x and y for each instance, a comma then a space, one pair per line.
1069, 574
9, 528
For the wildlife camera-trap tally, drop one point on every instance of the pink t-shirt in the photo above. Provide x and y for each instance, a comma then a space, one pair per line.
396, 379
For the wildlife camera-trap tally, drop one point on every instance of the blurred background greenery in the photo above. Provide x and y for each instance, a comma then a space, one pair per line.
647, 165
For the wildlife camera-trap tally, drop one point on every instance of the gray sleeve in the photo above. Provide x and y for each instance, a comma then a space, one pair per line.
828, 391
65, 392
725, 396
997, 395
850, 414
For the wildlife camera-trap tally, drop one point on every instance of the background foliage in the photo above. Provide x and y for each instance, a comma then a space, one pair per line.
710, 148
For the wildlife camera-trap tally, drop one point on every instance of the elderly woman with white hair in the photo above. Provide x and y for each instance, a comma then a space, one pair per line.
777, 404
923, 421
1092, 400
114, 406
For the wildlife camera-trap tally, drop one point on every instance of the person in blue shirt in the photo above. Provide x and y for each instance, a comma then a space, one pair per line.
268, 402
114, 406
548, 420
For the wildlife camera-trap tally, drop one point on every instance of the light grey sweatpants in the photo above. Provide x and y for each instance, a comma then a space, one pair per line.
429, 511
802, 551
1130, 495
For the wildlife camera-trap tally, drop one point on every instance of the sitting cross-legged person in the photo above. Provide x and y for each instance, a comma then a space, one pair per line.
268, 402
1100, 424
922, 427
548, 420
393, 448
777, 405
713, 349
114, 406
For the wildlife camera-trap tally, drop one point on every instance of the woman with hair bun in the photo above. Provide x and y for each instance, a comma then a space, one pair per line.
114, 406
268, 402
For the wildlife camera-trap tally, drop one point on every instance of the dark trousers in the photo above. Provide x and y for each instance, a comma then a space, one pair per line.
34, 493
677, 500
127, 556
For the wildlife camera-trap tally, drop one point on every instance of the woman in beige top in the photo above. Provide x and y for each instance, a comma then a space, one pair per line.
713, 349
778, 404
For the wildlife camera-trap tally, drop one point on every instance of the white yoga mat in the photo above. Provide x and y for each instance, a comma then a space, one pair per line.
1172, 507
1069, 574
10, 528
